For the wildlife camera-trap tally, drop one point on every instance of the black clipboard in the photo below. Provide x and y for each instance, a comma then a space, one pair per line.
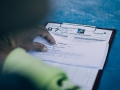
97, 80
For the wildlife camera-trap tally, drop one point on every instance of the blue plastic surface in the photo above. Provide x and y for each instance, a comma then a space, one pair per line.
101, 13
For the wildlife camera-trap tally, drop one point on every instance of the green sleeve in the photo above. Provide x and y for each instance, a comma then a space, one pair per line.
42, 75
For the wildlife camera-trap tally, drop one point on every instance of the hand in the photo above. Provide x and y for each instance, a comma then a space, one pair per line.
24, 38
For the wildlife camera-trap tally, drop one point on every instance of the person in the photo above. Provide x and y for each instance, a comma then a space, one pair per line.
19, 25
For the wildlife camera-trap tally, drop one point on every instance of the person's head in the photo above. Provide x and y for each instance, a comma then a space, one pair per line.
15, 14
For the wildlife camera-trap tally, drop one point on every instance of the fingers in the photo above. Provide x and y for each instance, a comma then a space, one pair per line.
12, 41
49, 38
44, 33
38, 47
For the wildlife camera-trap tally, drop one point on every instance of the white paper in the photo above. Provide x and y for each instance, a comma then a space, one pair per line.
87, 55
83, 77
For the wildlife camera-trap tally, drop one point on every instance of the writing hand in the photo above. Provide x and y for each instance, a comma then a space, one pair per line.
24, 38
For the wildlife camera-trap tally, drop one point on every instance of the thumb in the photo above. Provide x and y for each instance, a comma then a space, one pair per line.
38, 46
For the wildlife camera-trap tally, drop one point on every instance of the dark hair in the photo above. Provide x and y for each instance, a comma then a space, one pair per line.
15, 14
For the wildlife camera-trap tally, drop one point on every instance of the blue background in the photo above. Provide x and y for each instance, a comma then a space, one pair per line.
101, 13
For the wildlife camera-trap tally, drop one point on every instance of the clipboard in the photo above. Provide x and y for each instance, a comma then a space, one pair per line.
97, 80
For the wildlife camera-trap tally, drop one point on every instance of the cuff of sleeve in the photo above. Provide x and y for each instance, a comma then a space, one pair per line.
15, 58
20, 62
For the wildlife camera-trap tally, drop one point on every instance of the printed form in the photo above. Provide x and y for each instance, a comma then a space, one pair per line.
86, 55
81, 76
80, 51
79, 33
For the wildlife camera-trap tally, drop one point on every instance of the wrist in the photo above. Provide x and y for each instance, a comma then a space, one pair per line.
7, 39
